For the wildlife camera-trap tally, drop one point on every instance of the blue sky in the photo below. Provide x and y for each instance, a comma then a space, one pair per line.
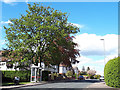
98, 17
95, 19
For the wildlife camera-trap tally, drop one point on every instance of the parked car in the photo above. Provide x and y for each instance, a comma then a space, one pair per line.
101, 78
81, 78
16, 80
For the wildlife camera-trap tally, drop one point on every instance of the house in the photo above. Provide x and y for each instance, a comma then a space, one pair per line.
36, 71
63, 68
6, 66
76, 70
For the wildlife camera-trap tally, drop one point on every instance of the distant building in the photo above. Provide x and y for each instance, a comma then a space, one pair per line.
63, 68
76, 70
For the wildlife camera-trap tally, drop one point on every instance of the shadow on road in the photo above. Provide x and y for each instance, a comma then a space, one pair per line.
77, 81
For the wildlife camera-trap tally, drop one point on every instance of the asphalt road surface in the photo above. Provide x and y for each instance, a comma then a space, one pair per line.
66, 84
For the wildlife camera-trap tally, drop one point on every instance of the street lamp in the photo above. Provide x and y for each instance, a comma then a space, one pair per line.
104, 49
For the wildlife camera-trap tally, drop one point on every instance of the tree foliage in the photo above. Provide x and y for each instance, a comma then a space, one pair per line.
42, 35
88, 68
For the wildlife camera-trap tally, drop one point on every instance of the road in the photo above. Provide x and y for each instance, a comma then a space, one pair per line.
69, 84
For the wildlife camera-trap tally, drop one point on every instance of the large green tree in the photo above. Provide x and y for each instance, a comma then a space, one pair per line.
42, 35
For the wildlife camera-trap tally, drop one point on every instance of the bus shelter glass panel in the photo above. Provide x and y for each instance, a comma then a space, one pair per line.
33, 74
38, 77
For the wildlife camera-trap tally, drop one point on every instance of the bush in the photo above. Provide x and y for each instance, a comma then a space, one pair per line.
69, 74
112, 73
75, 76
45, 75
90, 76
8, 76
97, 76
83, 73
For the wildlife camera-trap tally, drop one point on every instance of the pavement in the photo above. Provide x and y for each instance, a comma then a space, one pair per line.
99, 85
18, 86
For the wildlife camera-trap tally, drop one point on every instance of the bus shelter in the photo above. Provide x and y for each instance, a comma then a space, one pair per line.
36, 74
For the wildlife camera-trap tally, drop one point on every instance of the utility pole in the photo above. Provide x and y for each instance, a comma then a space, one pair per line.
104, 49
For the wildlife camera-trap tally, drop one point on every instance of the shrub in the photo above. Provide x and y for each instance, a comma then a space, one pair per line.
75, 76
112, 73
92, 77
83, 73
97, 76
69, 74
8, 76
45, 75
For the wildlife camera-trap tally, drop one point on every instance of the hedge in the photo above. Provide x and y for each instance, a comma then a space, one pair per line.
8, 76
112, 73
45, 75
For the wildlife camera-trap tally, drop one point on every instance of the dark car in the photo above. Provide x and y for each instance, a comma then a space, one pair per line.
81, 78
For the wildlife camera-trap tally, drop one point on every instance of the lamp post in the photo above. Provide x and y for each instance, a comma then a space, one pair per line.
104, 49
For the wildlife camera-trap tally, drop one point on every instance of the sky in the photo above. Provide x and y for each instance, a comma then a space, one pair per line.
96, 20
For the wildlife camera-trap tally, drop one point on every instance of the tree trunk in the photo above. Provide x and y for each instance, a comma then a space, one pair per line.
58, 68
40, 61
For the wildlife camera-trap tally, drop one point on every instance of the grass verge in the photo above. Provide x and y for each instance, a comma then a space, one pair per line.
11, 83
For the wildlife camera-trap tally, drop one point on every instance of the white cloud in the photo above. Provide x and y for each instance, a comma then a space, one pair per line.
26, 1
97, 65
78, 25
5, 22
9, 2
107, 58
83, 60
12, 2
2, 42
90, 44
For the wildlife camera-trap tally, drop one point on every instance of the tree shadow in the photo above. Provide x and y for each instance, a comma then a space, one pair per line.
77, 81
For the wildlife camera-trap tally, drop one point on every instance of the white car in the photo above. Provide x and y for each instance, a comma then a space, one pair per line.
101, 78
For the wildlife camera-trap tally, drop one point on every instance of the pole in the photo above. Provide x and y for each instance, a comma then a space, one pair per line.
104, 52
104, 49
